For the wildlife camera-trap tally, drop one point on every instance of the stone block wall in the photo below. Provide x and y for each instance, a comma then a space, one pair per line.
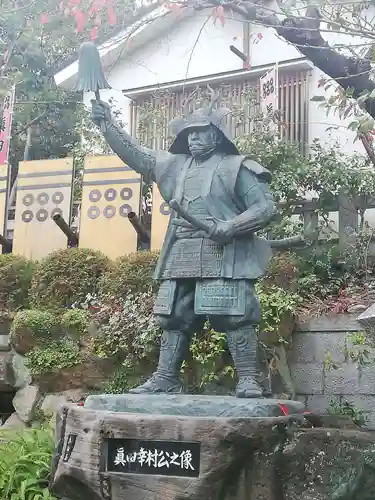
315, 384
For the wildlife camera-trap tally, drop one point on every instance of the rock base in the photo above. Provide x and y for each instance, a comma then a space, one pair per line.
170, 446
192, 406
205, 448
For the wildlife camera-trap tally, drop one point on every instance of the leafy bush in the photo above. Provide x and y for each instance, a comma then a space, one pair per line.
283, 271
15, 278
278, 310
39, 323
123, 379
75, 322
207, 361
25, 460
127, 328
66, 277
129, 273
348, 409
53, 357
31, 327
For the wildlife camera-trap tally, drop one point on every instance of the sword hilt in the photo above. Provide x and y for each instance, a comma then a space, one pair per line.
196, 223
174, 205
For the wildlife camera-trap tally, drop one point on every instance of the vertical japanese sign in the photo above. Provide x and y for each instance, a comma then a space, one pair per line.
6, 125
269, 95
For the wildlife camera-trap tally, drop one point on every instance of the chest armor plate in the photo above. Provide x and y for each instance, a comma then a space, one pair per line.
195, 186
190, 256
194, 181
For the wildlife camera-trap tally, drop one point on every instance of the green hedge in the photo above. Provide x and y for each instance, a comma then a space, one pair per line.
130, 273
67, 277
15, 278
73, 276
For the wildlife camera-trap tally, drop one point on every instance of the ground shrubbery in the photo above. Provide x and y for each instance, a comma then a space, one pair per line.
25, 464
130, 273
87, 308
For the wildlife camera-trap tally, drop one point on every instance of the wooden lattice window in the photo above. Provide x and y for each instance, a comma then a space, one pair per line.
151, 113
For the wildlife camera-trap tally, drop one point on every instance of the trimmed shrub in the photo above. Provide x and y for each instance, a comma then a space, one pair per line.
75, 322
66, 277
30, 327
15, 279
130, 273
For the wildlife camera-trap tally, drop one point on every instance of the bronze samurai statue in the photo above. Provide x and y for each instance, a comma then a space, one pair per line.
211, 257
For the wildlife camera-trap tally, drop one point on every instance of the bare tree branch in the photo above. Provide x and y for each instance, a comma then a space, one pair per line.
304, 33
34, 121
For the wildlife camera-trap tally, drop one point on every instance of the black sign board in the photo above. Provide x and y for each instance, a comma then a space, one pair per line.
161, 458
69, 446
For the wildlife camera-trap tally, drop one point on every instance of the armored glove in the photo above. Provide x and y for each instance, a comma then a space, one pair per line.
100, 111
220, 231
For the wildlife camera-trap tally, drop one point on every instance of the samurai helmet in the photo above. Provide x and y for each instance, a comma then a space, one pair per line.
202, 117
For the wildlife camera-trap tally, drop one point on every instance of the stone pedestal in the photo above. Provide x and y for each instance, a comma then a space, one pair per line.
171, 447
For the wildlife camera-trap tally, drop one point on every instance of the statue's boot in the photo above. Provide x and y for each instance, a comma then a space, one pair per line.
174, 349
243, 346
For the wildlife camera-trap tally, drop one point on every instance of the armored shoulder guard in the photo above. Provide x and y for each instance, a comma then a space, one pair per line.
255, 167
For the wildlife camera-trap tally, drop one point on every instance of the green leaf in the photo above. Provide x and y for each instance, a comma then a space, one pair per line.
349, 92
366, 124
362, 99
318, 98
353, 125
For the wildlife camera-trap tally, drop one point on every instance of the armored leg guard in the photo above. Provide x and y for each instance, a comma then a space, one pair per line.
173, 351
243, 346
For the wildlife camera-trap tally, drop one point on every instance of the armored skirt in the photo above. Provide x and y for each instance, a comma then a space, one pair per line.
192, 290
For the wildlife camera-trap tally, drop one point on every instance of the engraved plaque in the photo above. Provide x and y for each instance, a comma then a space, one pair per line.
220, 297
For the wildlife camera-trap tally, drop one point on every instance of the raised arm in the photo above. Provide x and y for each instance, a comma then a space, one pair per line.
137, 157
